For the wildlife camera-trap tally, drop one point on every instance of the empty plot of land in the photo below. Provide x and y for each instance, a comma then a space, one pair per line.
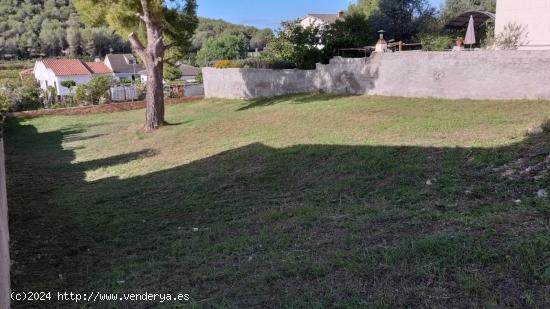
308, 200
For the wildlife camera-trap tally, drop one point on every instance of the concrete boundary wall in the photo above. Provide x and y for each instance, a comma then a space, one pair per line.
448, 75
4, 235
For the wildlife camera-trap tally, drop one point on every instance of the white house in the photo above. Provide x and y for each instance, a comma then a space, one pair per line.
51, 72
320, 20
188, 73
124, 66
534, 14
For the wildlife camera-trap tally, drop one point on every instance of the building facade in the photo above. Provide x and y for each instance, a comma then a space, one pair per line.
533, 14
52, 72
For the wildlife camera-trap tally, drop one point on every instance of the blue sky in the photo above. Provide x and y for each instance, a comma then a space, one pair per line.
262, 13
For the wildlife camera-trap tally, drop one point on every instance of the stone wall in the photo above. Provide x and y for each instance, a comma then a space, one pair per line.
450, 75
4, 236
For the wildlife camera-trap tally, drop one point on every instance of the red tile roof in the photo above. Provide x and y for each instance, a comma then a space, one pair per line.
66, 67
98, 68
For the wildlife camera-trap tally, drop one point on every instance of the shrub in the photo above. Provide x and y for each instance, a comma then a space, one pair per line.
199, 77
282, 65
4, 106
436, 42
26, 96
225, 64
512, 36
223, 47
94, 92
253, 63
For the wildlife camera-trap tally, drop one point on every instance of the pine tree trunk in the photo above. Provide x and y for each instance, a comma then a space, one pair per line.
152, 56
154, 99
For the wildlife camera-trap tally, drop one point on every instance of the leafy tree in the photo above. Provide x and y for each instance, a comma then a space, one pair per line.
52, 37
294, 43
403, 19
365, 7
69, 84
95, 91
171, 72
213, 28
260, 38
159, 32
353, 31
50, 27
453, 8
228, 47
74, 37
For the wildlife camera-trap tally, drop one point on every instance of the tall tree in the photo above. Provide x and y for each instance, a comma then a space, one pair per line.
453, 8
366, 7
227, 47
159, 31
403, 19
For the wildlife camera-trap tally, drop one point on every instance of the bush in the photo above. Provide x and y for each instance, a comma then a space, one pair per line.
436, 42
4, 106
282, 65
199, 77
253, 63
223, 47
225, 64
26, 96
94, 92
512, 36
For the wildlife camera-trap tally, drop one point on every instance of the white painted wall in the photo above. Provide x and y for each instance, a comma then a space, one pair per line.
44, 76
483, 75
47, 78
535, 14
79, 80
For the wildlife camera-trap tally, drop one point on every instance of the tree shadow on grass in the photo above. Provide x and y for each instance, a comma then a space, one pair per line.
323, 225
294, 99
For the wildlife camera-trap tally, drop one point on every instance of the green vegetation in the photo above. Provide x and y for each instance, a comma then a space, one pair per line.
227, 47
95, 91
9, 72
436, 42
47, 27
300, 201
214, 28
453, 8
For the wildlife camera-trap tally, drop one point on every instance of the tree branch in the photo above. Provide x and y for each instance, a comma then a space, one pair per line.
137, 46
140, 16
170, 45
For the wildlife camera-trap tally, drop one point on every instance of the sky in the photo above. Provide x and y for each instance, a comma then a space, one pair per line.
269, 13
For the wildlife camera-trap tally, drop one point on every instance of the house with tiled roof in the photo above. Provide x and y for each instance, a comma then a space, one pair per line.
320, 20
52, 72
124, 66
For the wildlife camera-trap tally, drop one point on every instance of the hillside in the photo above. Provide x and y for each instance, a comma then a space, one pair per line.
32, 28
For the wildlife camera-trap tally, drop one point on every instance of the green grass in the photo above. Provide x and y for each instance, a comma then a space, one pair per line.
300, 201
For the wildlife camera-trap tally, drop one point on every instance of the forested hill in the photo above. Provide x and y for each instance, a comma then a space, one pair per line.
31, 28
49, 27
256, 38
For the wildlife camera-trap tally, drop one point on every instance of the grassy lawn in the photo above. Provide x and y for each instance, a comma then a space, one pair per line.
301, 201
